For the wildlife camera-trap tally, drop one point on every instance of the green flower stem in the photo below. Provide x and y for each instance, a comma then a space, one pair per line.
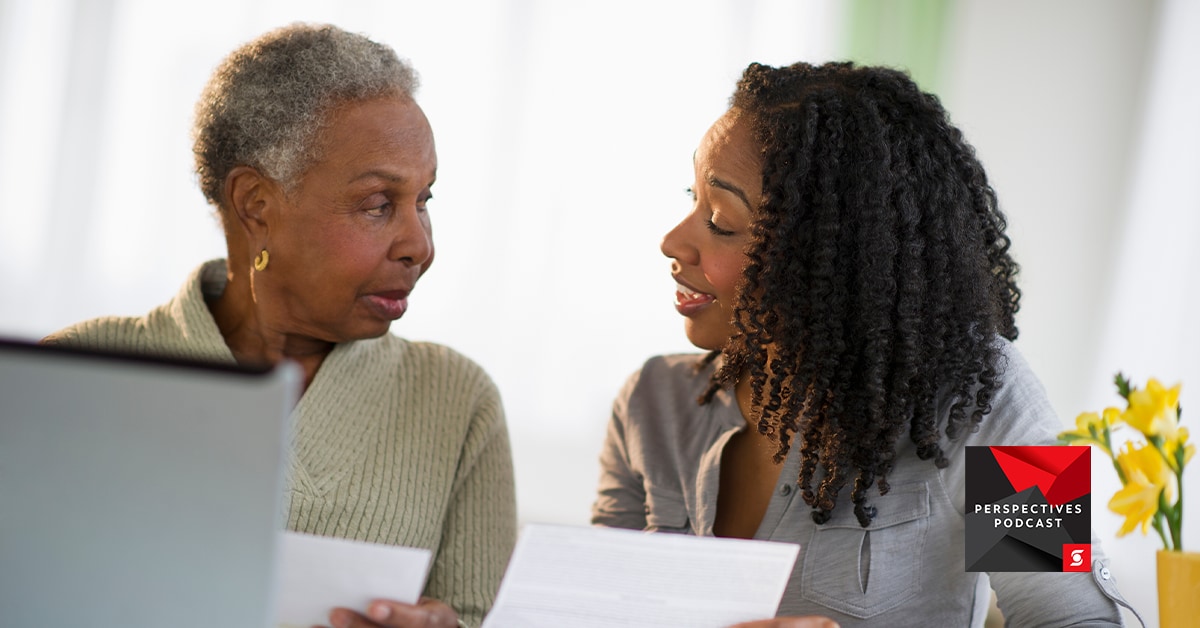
1157, 523
1177, 521
1173, 514
1120, 473
1112, 454
1158, 527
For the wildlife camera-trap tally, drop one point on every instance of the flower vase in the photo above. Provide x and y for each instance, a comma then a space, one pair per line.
1178, 589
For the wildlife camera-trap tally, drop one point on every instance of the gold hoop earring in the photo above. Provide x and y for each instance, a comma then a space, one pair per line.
261, 261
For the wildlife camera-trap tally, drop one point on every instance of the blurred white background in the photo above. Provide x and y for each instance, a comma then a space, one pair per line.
565, 133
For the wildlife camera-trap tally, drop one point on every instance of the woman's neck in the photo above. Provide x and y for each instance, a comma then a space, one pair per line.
253, 341
744, 394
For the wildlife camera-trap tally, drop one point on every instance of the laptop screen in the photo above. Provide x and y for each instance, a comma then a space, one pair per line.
138, 492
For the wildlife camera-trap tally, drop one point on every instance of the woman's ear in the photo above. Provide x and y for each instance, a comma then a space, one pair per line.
248, 194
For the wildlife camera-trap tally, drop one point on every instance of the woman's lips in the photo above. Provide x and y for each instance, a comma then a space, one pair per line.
390, 305
689, 301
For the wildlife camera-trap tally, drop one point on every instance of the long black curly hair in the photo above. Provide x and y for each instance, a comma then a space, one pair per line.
878, 276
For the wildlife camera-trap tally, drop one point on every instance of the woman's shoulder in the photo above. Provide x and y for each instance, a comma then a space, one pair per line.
1020, 411
1015, 375
686, 371
182, 327
424, 387
153, 332
425, 352
106, 332
430, 360
666, 385
680, 369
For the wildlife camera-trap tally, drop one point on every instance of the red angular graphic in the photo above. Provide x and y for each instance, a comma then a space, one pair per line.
1062, 473
1073, 482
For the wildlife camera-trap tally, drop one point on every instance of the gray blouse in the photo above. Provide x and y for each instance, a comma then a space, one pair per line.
661, 470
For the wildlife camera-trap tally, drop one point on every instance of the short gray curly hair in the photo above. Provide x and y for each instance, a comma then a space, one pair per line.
267, 102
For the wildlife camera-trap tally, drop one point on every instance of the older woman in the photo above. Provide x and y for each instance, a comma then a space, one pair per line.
320, 163
845, 266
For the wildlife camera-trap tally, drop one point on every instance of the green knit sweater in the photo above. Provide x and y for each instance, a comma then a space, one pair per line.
394, 442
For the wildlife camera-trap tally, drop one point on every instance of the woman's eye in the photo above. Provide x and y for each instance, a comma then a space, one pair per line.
378, 212
712, 227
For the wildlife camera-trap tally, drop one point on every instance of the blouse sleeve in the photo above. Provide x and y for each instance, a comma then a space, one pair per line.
1022, 415
621, 496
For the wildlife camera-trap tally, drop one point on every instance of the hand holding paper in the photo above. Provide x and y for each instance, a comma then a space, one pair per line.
426, 613
318, 574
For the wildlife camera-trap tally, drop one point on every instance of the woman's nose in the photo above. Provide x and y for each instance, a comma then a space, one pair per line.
675, 244
413, 243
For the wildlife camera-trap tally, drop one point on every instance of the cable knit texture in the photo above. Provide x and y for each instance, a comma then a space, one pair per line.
394, 442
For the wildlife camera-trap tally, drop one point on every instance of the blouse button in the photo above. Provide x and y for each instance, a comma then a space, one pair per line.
785, 490
1104, 573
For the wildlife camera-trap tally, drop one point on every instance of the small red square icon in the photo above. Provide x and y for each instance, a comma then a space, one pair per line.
1077, 557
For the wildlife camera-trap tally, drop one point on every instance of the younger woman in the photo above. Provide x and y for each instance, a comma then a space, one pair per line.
846, 268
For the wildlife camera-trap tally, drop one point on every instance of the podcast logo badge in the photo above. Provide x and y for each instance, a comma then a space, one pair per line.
1077, 557
1029, 508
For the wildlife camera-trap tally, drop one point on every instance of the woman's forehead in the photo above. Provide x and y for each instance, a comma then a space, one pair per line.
729, 143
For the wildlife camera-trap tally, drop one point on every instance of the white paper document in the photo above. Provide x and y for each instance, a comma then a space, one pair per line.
318, 573
599, 577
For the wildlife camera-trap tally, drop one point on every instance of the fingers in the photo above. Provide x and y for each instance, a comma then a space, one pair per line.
427, 613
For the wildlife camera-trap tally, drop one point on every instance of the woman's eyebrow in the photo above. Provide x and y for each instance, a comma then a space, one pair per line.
390, 177
729, 187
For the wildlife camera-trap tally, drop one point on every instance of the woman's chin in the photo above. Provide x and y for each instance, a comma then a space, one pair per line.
705, 338
374, 331
360, 330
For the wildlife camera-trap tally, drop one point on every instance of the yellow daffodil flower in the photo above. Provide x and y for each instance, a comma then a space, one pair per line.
1137, 501
1089, 430
1112, 416
1170, 447
1150, 469
1146, 477
1155, 410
